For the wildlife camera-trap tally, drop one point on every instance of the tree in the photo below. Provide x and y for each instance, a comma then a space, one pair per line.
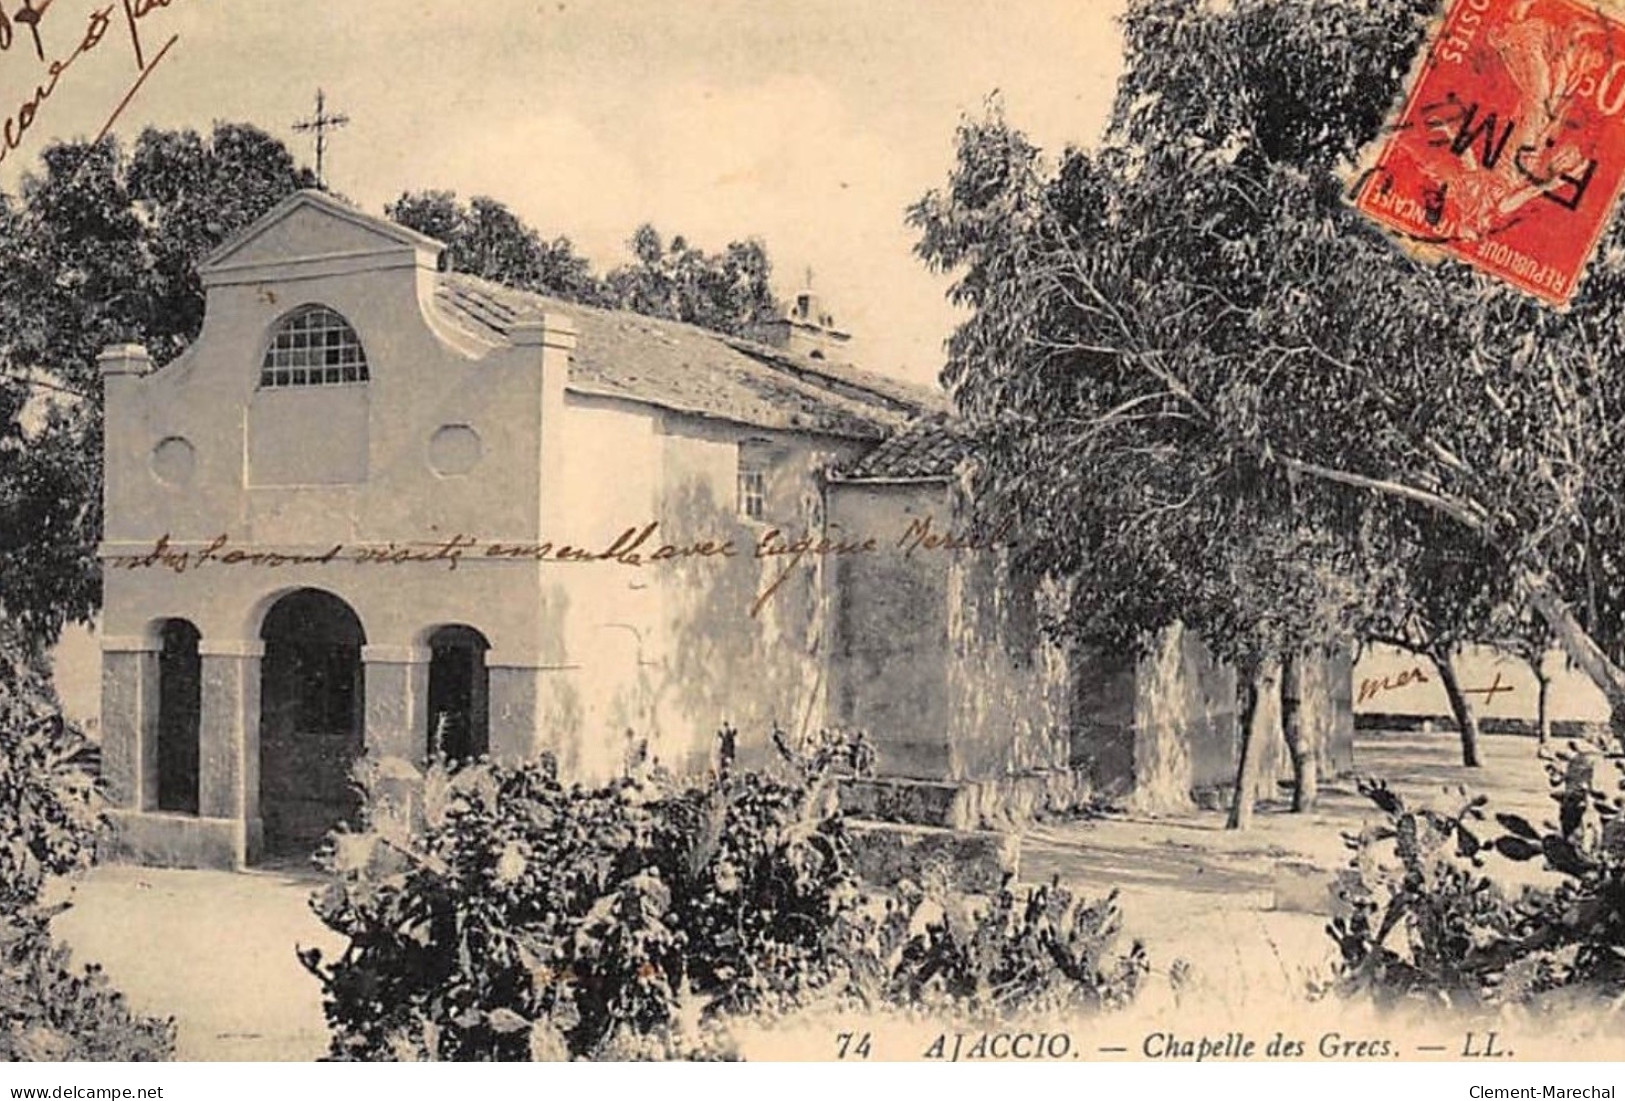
194, 194
1171, 538
1440, 590
1197, 286
728, 291
1532, 646
1145, 531
101, 247
1284, 599
486, 239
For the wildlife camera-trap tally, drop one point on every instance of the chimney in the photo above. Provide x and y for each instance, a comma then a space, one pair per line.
806, 329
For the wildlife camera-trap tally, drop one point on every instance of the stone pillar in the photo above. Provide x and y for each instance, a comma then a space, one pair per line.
397, 701
229, 749
125, 444
129, 721
549, 339
515, 703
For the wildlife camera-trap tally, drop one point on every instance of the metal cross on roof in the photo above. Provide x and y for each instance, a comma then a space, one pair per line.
320, 123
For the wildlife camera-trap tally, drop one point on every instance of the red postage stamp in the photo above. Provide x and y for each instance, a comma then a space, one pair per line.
1510, 150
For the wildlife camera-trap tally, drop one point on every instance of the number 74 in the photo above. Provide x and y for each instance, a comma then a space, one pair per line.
853, 1045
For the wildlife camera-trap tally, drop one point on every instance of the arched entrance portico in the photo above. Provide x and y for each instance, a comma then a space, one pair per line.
311, 719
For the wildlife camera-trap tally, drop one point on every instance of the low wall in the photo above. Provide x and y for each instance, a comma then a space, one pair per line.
179, 840
1526, 728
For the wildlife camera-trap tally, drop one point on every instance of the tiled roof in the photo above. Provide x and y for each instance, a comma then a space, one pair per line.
906, 396
929, 448
692, 370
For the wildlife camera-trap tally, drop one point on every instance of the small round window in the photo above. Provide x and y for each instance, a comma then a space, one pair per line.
454, 449
174, 461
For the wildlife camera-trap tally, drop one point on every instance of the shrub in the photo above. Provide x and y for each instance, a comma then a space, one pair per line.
518, 916
48, 827
1468, 939
1575, 933
492, 912
1447, 917
50, 1010
48, 816
1045, 952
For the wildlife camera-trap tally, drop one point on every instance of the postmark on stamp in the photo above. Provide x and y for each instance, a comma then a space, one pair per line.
1509, 152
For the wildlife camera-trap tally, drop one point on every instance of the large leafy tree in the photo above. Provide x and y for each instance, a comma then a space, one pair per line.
1269, 593
1198, 287
101, 246
483, 237
1232, 555
728, 291
193, 193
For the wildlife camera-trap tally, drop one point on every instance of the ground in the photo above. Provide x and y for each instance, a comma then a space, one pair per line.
216, 949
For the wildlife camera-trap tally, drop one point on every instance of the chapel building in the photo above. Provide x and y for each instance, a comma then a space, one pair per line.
381, 507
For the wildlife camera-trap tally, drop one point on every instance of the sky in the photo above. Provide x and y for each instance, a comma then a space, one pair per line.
811, 125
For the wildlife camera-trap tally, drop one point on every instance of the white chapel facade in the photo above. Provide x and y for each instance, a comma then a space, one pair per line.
348, 398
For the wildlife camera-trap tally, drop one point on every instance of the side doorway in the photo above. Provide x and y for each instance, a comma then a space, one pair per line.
459, 694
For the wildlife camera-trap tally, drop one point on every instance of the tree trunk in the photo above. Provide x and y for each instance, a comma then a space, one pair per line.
1305, 760
1543, 696
1466, 717
1581, 647
1571, 634
1252, 751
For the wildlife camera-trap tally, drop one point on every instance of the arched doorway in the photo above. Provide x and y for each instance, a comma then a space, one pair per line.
459, 694
180, 684
311, 698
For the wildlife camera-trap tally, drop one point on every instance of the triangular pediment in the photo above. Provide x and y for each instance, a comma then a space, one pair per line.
311, 228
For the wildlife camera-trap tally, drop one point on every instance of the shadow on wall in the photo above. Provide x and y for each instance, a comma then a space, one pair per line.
618, 704
1163, 733
1185, 722
890, 658
722, 664
1008, 686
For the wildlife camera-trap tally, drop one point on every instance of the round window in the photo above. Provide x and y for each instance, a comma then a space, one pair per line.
174, 461
454, 449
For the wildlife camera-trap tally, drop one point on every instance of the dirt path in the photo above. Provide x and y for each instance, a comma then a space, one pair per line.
1249, 910
216, 950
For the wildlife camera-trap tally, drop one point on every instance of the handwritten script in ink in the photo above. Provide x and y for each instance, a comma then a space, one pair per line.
38, 56
636, 547
1372, 687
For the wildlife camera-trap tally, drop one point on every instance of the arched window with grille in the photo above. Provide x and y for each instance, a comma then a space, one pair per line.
313, 346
